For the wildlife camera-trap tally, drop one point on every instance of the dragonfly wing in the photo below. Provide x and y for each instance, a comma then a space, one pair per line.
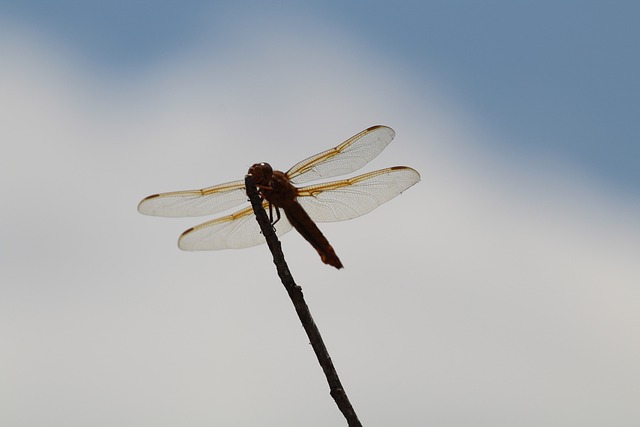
235, 231
194, 202
347, 157
350, 198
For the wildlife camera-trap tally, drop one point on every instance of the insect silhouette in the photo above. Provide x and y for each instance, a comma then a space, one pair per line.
303, 206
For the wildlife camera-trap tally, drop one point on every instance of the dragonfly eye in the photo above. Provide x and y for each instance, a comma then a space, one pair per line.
261, 173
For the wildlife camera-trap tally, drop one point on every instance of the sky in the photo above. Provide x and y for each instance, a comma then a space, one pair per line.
500, 290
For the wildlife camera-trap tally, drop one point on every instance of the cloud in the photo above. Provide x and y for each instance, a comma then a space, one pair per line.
500, 288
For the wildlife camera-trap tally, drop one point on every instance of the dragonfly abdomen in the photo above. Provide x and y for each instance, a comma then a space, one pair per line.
301, 221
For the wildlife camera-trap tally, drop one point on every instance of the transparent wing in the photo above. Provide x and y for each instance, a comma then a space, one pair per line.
235, 231
194, 202
350, 198
347, 157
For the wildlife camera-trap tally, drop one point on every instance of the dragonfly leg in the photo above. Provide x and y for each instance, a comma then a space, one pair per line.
262, 188
271, 216
273, 223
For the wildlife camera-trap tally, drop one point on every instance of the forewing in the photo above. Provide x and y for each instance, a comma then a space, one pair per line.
347, 157
195, 202
235, 231
350, 198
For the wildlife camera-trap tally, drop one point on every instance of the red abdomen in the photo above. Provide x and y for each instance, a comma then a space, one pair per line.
301, 221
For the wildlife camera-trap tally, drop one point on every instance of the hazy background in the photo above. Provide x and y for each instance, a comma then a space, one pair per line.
501, 290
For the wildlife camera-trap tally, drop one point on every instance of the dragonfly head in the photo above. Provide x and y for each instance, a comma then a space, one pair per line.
261, 173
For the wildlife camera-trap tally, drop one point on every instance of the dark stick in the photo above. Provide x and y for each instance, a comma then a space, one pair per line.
295, 293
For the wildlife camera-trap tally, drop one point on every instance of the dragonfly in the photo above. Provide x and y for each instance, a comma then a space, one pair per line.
303, 205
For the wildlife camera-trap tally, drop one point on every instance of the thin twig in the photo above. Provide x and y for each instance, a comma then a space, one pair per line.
295, 293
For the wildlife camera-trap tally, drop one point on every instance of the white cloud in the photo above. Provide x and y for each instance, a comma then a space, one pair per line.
492, 292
